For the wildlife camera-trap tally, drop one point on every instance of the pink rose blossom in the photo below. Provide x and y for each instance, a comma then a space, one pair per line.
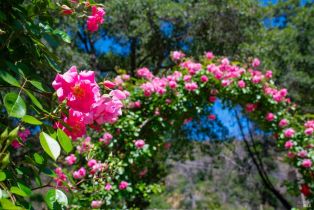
289, 144
123, 185
270, 117
145, 73
191, 86
204, 78
96, 204
108, 187
61, 177
96, 19
106, 138
241, 84
283, 122
309, 131
177, 55
302, 153
256, 62
71, 159
79, 174
109, 84
137, 104
269, 74
76, 88
139, 144
91, 163
187, 78
289, 132
307, 163
209, 55
250, 107
107, 110
172, 84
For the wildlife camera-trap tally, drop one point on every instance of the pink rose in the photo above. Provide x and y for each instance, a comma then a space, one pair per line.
289, 144
283, 122
108, 187
256, 62
139, 144
70, 159
307, 163
204, 78
96, 204
241, 84
123, 185
270, 117
209, 55
309, 131
289, 132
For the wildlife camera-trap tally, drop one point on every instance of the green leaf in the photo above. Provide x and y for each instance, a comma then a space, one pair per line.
38, 158
3, 176
50, 145
17, 191
34, 100
37, 85
7, 204
14, 105
55, 196
9, 79
24, 188
63, 35
65, 141
31, 120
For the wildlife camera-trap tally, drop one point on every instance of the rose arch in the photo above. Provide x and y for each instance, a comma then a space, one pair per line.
120, 136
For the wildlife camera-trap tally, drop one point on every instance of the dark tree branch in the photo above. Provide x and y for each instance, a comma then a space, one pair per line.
264, 178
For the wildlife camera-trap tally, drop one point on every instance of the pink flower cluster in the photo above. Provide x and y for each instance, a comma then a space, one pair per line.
177, 55
225, 72
71, 159
23, 136
106, 138
191, 66
278, 95
309, 127
79, 174
96, 19
86, 104
145, 73
61, 177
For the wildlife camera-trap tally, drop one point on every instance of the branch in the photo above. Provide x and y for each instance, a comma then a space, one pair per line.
265, 180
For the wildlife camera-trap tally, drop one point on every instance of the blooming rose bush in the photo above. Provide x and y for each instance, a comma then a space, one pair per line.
114, 164
109, 138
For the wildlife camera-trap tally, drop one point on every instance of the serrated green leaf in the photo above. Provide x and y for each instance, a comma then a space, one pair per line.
50, 145
31, 120
14, 105
65, 141
9, 79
